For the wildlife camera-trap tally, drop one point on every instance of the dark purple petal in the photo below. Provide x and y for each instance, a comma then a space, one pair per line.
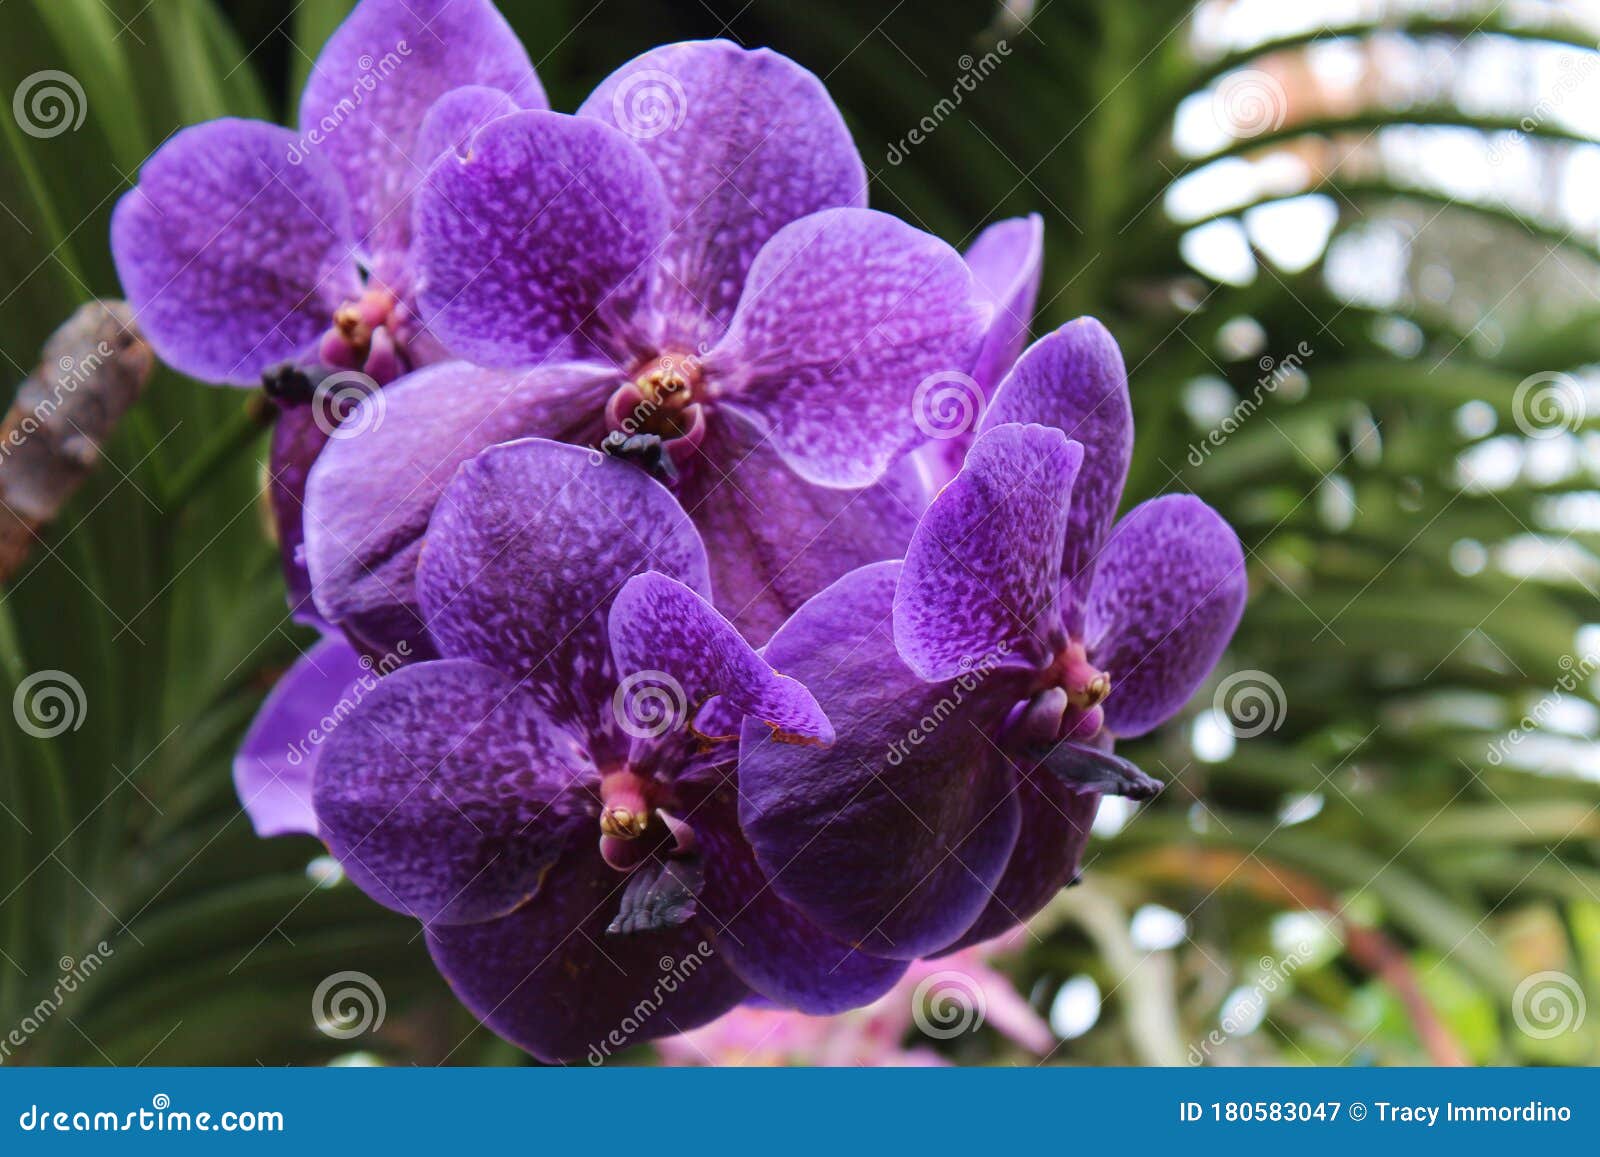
1055, 827
457, 116
375, 485
526, 550
297, 440
983, 571
891, 839
272, 771
777, 951
1006, 261
447, 794
373, 84
775, 539
551, 979
540, 236
1167, 595
746, 142
846, 312
233, 256
1074, 379
660, 627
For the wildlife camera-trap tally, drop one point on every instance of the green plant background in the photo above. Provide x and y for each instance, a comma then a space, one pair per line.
1433, 870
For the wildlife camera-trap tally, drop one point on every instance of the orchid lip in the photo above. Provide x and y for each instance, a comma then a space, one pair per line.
1087, 686
663, 397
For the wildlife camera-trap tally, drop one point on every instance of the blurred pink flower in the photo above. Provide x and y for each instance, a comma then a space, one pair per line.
936, 999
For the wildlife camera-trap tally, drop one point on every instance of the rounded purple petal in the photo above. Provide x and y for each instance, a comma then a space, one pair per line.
233, 255
373, 84
456, 117
1168, 592
446, 794
1074, 379
1056, 821
746, 142
891, 839
527, 548
540, 236
768, 942
551, 979
983, 572
273, 770
1007, 261
659, 626
374, 486
846, 314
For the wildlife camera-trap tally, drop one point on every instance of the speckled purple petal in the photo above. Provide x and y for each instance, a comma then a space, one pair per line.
746, 142
457, 116
373, 84
775, 539
891, 839
550, 979
374, 488
983, 571
1006, 261
1167, 595
233, 257
660, 626
446, 793
777, 951
528, 547
1074, 379
846, 312
272, 771
541, 236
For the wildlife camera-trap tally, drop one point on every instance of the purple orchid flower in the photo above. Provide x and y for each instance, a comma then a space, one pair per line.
253, 253
978, 686
554, 797
695, 239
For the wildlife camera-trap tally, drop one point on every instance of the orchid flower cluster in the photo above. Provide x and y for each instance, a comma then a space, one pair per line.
679, 650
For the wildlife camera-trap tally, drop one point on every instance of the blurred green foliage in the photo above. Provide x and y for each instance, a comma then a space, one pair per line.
1439, 879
